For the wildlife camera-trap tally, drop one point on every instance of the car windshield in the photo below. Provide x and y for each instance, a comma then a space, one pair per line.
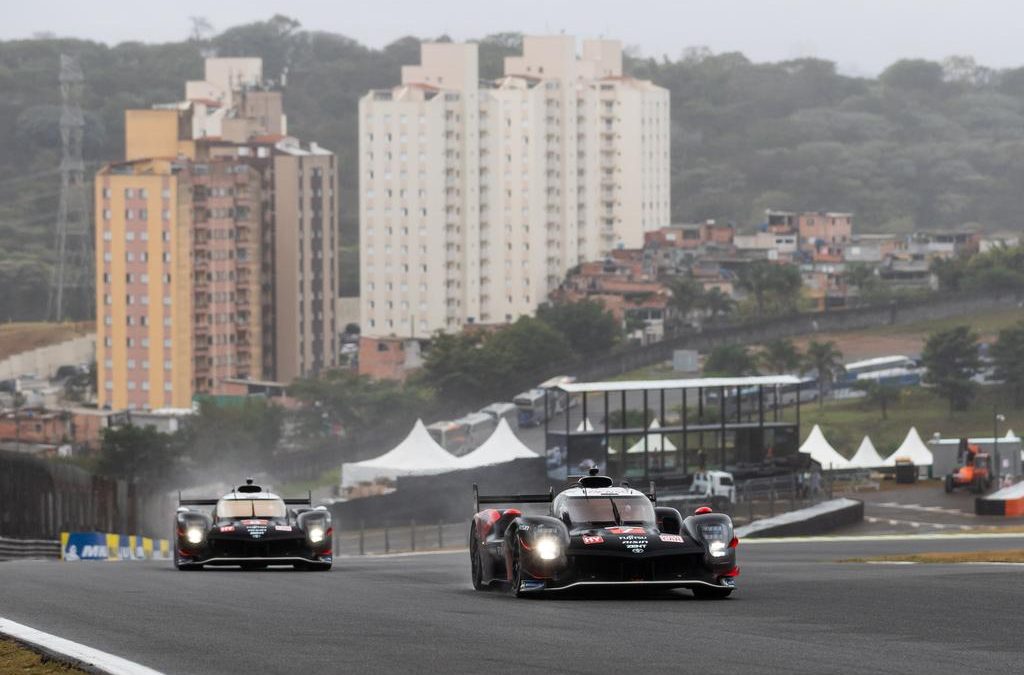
250, 508
611, 510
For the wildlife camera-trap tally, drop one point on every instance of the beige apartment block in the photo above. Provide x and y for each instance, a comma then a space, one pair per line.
477, 198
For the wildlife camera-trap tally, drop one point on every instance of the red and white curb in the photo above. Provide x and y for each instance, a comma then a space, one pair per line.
73, 652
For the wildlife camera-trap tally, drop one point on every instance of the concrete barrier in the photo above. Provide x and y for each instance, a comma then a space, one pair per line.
813, 520
1006, 502
20, 549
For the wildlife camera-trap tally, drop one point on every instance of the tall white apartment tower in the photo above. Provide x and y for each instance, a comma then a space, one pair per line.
475, 200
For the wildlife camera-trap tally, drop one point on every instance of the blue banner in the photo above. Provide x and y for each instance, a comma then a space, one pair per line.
84, 546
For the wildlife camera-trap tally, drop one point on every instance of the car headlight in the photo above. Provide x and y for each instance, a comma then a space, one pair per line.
717, 549
547, 548
194, 535
316, 535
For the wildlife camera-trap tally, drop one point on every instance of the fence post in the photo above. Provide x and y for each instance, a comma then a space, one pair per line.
750, 503
362, 537
440, 534
792, 500
387, 542
412, 535
771, 499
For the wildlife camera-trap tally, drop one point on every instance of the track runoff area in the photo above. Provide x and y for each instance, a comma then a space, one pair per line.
799, 608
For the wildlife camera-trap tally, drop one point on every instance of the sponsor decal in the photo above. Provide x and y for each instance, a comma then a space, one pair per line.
635, 542
673, 538
587, 539
78, 546
227, 528
626, 530
283, 528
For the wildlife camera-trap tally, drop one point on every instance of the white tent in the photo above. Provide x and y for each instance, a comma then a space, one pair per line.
417, 455
866, 456
912, 448
655, 442
822, 452
1010, 436
502, 446
585, 425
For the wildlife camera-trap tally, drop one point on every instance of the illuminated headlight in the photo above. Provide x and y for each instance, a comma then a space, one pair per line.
194, 535
547, 548
717, 549
316, 535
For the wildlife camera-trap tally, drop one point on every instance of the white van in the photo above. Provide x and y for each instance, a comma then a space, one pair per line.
503, 411
714, 484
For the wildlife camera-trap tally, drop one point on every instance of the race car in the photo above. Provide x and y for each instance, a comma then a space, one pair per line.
600, 535
252, 528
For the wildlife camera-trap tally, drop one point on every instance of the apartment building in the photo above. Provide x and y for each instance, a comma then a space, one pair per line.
477, 198
216, 245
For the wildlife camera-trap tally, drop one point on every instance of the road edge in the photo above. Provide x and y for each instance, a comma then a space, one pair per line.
73, 653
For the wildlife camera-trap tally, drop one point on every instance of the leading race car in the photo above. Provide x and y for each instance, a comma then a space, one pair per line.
252, 528
601, 535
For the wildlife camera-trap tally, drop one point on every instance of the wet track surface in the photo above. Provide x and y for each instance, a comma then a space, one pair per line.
797, 611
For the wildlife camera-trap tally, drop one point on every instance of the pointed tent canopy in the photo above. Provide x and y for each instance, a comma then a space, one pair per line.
1010, 435
822, 452
585, 425
912, 448
866, 456
502, 446
418, 454
655, 442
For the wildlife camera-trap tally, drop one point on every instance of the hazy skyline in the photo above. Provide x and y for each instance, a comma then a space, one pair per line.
862, 36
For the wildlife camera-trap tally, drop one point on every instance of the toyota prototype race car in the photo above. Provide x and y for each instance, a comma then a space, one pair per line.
252, 528
601, 535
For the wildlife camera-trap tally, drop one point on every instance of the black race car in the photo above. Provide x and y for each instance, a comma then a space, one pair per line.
252, 528
601, 535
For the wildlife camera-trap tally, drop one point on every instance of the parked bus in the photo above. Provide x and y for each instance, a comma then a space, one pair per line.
889, 370
503, 411
479, 427
531, 403
453, 436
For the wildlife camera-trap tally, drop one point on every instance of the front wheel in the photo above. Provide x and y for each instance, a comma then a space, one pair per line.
476, 564
709, 593
516, 573
949, 484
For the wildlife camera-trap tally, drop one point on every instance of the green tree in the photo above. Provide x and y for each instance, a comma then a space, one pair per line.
730, 361
687, 296
587, 326
138, 454
880, 394
780, 356
951, 359
716, 303
771, 282
1008, 357
826, 360
233, 435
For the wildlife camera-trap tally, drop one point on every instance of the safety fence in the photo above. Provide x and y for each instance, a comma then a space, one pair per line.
18, 549
76, 546
405, 537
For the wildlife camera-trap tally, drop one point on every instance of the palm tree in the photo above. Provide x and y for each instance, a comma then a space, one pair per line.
687, 295
880, 394
780, 356
825, 358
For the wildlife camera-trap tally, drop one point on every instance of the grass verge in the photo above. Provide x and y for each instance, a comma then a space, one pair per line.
16, 658
1014, 556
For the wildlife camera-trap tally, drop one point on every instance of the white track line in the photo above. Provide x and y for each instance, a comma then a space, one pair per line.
72, 651
882, 537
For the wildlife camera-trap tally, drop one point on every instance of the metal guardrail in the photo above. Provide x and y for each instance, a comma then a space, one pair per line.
15, 549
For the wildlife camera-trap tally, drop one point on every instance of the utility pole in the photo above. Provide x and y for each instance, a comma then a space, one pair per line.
73, 268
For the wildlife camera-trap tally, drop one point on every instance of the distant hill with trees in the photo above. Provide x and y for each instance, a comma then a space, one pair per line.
924, 145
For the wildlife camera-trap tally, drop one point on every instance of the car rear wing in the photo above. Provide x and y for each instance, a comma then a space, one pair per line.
297, 501
652, 493
479, 499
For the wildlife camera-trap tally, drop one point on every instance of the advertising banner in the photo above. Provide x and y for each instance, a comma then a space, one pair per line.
76, 546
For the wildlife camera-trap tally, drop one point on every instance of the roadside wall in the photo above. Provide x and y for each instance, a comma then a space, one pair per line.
44, 361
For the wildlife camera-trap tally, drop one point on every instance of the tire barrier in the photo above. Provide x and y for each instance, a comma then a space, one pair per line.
78, 546
1006, 502
22, 549
817, 519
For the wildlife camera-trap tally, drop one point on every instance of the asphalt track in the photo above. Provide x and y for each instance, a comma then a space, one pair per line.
797, 611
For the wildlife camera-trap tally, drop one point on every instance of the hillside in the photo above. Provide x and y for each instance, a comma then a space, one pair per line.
925, 145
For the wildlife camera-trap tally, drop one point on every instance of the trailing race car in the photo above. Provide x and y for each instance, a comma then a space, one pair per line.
252, 528
600, 535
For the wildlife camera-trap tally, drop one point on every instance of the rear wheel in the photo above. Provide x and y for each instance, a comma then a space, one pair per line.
949, 483
475, 563
979, 485
709, 593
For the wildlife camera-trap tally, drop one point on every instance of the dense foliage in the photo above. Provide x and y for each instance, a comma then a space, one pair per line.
923, 145
951, 357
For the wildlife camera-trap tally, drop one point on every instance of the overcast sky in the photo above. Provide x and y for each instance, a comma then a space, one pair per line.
863, 36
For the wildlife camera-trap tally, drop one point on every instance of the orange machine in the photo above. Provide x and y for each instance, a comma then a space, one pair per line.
974, 469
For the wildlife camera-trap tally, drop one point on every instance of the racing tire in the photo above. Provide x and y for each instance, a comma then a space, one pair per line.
516, 573
708, 593
476, 564
949, 484
183, 566
311, 567
978, 487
